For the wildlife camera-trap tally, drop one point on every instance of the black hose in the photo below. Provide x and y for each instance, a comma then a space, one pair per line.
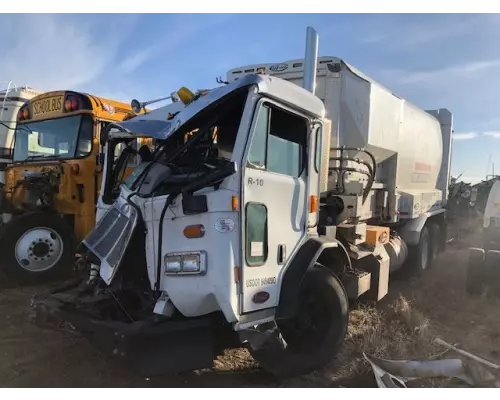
167, 204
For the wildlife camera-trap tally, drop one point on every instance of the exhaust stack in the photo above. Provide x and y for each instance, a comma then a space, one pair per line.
311, 60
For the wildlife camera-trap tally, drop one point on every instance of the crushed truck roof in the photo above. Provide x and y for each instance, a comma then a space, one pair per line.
155, 124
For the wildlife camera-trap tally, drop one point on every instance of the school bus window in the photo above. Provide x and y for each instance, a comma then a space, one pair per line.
86, 135
61, 138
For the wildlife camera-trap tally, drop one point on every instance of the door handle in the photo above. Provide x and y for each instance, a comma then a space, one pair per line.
281, 254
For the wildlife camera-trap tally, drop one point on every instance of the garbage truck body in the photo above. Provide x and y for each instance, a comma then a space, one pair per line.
263, 235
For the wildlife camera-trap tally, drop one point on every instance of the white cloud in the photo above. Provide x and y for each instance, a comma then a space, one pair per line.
135, 60
52, 51
465, 136
474, 135
180, 30
94, 55
405, 32
463, 71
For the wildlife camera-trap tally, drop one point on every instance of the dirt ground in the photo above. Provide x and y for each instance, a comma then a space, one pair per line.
400, 327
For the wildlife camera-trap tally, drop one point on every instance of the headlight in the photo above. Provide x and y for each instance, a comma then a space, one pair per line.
191, 263
185, 263
173, 264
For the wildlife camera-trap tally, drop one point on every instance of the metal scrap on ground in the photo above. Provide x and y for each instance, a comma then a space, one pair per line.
395, 374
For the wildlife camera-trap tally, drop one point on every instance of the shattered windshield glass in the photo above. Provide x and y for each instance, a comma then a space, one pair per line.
153, 128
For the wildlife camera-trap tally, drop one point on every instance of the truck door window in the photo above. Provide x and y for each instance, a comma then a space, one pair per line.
257, 153
256, 234
318, 149
279, 142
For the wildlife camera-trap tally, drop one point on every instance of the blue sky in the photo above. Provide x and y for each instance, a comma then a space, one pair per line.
434, 61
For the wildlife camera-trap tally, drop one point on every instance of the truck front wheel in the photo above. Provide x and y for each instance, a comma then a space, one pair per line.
315, 335
36, 247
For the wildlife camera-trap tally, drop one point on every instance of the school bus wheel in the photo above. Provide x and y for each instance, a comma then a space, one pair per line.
36, 247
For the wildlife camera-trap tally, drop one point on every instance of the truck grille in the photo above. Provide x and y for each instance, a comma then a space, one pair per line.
109, 238
104, 246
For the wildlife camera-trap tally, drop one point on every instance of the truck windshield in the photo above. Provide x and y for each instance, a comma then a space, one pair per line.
60, 138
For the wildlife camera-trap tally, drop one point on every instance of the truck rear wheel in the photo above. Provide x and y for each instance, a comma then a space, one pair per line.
419, 256
492, 270
435, 239
315, 335
475, 271
36, 247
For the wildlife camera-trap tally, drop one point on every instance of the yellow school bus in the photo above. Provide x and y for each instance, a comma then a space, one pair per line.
49, 198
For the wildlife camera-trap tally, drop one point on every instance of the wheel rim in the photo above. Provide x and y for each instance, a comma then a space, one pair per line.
39, 249
425, 253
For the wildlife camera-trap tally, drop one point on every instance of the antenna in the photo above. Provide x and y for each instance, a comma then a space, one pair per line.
488, 165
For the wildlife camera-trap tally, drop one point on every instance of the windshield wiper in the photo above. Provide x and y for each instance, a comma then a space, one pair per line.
37, 156
210, 179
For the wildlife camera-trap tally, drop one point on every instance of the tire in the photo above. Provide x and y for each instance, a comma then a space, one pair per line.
435, 233
419, 255
475, 271
492, 270
309, 350
36, 248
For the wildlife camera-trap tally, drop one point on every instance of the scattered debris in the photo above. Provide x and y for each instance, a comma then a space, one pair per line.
395, 374
466, 353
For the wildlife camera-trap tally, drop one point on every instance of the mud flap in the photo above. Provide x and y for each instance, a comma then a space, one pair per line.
263, 336
150, 347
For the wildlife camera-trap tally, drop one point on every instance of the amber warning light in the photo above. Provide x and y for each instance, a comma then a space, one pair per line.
313, 203
71, 104
23, 114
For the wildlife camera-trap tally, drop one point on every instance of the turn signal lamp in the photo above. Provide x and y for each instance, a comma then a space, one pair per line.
234, 203
313, 203
194, 231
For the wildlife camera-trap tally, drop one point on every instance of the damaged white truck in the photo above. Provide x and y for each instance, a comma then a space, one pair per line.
279, 208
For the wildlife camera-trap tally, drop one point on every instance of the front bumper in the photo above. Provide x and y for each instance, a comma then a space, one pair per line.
149, 347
